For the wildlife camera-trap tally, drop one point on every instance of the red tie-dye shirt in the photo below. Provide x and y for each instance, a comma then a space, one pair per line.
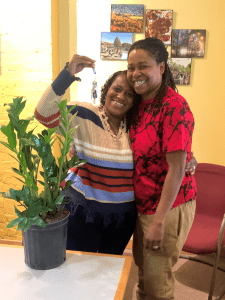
156, 133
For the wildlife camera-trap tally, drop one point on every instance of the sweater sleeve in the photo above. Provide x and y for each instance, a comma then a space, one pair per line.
47, 111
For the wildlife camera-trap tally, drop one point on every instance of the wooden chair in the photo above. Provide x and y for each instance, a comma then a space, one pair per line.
207, 233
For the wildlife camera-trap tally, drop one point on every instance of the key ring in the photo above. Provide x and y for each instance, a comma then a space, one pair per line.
94, 88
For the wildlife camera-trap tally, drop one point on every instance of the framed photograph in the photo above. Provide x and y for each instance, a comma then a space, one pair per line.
127, 18
188, 43
115, 45
159, 24
181, 70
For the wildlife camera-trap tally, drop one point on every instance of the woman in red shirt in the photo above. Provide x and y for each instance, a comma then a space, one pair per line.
161, 137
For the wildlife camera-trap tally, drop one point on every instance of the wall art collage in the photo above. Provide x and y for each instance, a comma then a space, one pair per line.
128, 19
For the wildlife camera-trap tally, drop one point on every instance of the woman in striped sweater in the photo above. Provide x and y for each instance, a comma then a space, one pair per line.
101, 199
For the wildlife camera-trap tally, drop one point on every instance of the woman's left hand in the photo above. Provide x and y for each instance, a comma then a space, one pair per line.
154, 236
191, 165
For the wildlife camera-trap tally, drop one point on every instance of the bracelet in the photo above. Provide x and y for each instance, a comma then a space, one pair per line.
66, 65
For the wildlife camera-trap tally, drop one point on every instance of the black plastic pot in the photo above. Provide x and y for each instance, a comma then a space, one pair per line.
45, 248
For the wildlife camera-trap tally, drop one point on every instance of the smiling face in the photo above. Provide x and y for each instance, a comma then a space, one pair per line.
119, 98
144, 74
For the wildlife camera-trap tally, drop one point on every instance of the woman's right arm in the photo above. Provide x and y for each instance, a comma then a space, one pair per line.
47, 111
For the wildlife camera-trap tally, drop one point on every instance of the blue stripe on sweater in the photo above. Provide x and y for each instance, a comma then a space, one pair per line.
86, 114
107, 164
62, 82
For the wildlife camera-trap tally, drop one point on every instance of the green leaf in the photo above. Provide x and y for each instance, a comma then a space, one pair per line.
68, 184
26, 142
22, 159
23, 126
20, 180
35, 140
40, 222
71, 108
18, 172
59, 138
12, 140
22, 224
8, 146
62, 131
63, 122
34, 209
4, 130
44, 132
28, 181
16, 195
72, 130
19, 213
59, 199
18, 105
52, 143
27, 154
29, 134
74, 116
51, 132
9, 132
26, 196
28, 225
5, 195
14, 223
34, 187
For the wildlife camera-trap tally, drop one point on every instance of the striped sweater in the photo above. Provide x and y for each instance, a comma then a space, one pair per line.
107, 175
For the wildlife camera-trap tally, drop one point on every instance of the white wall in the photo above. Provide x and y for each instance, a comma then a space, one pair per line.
94, 17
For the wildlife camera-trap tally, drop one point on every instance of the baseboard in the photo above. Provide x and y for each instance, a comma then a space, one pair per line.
11, 242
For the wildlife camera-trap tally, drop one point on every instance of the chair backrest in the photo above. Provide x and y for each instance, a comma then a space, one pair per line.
210, 181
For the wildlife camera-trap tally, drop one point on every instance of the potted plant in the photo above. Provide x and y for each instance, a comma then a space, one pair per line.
44, 219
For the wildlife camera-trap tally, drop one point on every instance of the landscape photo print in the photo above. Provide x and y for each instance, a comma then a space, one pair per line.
181, 70
115, 45
127, 18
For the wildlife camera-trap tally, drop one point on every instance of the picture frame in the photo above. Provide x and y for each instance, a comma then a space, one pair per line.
127, 18
115, 45
159, 23
181, 70
188, 43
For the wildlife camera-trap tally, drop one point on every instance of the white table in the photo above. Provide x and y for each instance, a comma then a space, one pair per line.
83, 276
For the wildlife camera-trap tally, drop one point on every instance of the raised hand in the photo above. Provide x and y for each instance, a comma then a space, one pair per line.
78, 63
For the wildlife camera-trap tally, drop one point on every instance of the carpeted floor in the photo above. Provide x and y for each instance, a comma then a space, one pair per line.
192, 279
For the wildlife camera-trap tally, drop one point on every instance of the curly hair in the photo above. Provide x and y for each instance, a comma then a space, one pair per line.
137, 98
158, 52
108, 83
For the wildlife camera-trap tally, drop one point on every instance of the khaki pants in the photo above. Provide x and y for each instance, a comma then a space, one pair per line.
156, 279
